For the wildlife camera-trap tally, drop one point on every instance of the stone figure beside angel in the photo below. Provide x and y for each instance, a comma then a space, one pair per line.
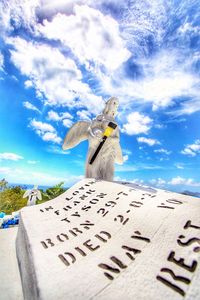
102, 134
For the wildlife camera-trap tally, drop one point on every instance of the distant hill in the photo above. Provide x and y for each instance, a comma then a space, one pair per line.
189, 193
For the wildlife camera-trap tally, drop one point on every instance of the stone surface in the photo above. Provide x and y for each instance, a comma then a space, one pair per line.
103, 240
10, 282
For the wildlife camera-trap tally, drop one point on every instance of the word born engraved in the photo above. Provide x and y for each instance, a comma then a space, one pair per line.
117, 264
70, 258
62, 237
181, 262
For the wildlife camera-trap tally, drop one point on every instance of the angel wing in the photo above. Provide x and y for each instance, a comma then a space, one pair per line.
26, 193
77, 133
118, 152
39, 196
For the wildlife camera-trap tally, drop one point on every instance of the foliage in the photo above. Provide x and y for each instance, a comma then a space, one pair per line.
3, 184
11, 198
52, 192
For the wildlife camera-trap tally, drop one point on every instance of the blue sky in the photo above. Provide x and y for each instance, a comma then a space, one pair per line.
61, 60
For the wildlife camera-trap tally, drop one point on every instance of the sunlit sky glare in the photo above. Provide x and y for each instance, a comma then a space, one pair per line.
61, 60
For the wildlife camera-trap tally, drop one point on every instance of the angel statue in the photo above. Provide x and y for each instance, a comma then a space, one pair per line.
104, 142
32, 195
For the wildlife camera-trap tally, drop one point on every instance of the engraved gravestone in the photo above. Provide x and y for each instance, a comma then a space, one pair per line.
103, 240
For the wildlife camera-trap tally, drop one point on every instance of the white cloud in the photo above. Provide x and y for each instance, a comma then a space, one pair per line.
1, 61
39, 178
125, 158
53, 116
184, 181
46, 131
158, 182
148, 141
16, 13
163, 80
137, 123
10, 156
187, 107
168, 80
5, 170
84, 115
127, 151
30, 106
67, 123
51, 137
56, 149
58, 80
164, 151
32, 162
179, 166
42, 127
64, 117
193, 149
93, 37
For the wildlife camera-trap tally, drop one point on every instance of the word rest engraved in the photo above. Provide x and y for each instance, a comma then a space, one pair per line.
97, 231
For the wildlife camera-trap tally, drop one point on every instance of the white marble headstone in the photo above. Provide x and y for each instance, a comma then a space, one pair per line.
103, 240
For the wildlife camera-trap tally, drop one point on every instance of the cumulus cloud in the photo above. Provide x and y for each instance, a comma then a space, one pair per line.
30, 106
164, 151
5, 170
193, 149
64, 117
125, 158
10, 156
183, 181
93, 37
17, 13
137, 123
67, 123
179, 166
127, 151
32, 162
84, 115
55, 77
54, 116
148, 141
158, 182
39, 178
1, 61
165, 83
46, 131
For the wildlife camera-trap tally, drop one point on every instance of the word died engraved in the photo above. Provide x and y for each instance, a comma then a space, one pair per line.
116, 264
70, 258
180, 261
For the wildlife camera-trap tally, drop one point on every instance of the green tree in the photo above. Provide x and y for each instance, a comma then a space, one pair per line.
3, 184
11, 199
52, 192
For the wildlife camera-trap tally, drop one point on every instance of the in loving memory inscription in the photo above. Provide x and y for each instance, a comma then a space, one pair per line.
90, 205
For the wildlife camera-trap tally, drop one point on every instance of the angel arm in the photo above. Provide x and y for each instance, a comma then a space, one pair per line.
77, 133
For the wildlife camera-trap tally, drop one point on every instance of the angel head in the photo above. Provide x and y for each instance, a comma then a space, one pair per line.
111, 107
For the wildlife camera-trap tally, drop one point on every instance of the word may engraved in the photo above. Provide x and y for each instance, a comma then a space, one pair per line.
69, 257
179, 261
130, 253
